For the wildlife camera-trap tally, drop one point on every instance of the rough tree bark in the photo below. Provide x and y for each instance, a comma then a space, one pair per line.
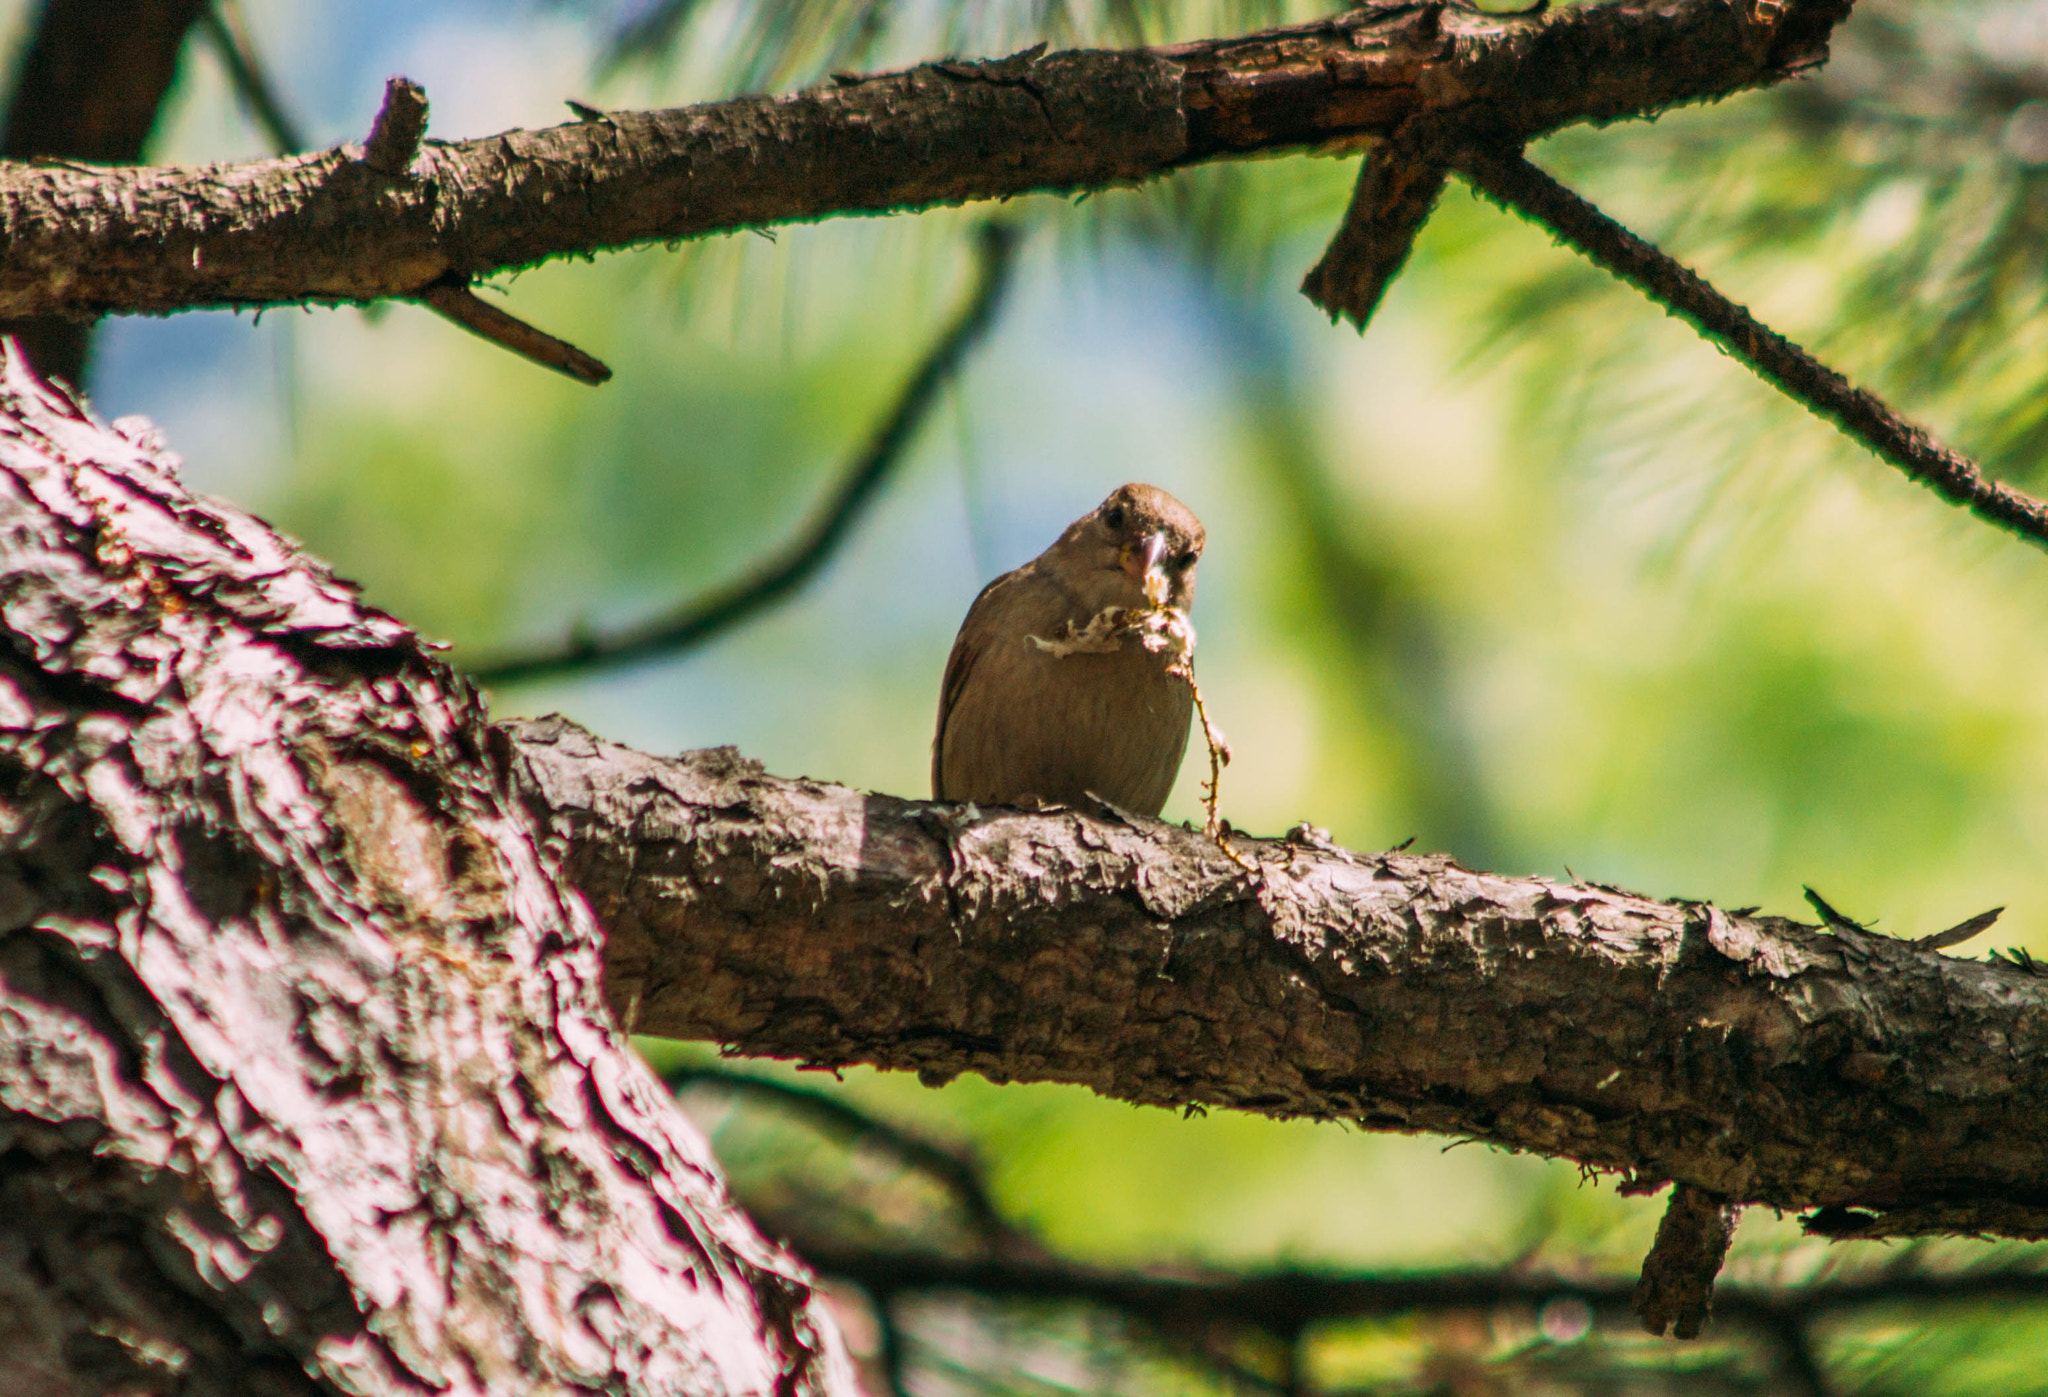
306, 1081
93, 78
329, 227
1885, 1085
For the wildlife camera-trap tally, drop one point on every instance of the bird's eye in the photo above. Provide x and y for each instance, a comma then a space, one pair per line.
1114, 518
1184, 561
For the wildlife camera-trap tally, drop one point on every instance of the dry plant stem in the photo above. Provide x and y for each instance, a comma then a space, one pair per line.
1398, 185
1891, 1088
1506, 177
328, 227
701, 619
1676, 1291
1219, 757
481, 318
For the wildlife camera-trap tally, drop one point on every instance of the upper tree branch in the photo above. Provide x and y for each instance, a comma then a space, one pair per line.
326, 227
1754, 1058
1508, 178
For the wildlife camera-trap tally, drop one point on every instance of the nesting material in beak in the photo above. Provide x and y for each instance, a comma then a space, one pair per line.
1141, 560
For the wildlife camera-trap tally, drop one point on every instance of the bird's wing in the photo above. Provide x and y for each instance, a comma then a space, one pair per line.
959, 665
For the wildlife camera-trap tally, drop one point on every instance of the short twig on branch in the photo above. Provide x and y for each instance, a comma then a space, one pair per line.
1508, 178
697, 621
1676, 1292
399, 128
1398, 185
458, 303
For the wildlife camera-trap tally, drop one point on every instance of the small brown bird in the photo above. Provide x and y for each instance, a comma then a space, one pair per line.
1047, 693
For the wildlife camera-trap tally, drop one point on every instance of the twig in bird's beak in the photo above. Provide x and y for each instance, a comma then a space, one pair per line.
1141, 560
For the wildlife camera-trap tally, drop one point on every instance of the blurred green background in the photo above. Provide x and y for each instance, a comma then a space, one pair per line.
1529, 572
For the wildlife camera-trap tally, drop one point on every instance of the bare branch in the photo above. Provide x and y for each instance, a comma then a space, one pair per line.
327, 228
1398, 184
481, 318
1288, 1300
1749, 1056
1676, 1292
699, 620
955, 1170
1507, 178
399, 127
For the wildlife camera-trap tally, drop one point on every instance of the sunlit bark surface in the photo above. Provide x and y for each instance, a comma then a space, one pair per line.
306, 1081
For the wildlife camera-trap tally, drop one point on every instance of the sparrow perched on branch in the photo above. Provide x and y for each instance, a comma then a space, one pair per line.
1059, 684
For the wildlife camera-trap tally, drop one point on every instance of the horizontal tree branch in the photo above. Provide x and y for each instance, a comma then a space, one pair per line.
330, 227
1287, 1300
1889, 1087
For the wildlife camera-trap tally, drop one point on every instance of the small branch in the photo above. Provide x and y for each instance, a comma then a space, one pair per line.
1961, 931
463, 306
955, 1171
699, 620
226, 28
1511, 181
1289, 1301
1398, 185
400, 127
1676, 1292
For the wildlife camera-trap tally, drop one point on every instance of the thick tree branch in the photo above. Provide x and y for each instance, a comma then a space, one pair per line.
1891, 1087
327, 228
1507, 177
783, 574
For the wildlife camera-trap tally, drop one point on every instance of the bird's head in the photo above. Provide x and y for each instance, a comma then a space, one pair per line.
1137, 547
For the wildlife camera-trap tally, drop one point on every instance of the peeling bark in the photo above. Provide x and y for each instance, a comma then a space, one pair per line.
1754, 1058
331, 227
306, 1082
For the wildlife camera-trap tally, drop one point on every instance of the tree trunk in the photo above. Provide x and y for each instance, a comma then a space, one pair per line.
306, 1079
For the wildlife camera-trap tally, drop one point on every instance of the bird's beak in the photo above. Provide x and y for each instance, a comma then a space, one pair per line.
1141, 561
